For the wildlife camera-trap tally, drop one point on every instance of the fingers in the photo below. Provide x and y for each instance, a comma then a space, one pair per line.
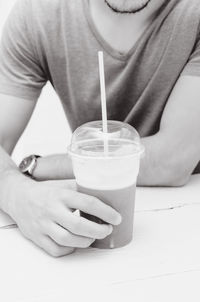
81, 226
53, 249
91, 205
64, 238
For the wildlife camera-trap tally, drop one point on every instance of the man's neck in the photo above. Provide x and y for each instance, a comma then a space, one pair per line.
121, 31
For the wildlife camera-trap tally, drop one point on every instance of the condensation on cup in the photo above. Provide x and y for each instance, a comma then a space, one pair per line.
106, 165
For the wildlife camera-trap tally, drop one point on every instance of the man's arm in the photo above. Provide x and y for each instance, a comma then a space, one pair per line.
14, 116
54, 167
173, 153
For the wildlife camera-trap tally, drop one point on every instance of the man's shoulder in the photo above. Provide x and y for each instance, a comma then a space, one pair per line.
49, 13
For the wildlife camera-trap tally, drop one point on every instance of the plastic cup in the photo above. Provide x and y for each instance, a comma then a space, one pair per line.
106, 165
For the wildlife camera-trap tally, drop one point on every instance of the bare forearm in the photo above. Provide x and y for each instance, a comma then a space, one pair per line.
162, 164
9, 175
54, 167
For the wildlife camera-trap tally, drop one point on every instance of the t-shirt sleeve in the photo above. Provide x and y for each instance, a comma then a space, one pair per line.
193, 65
21, 73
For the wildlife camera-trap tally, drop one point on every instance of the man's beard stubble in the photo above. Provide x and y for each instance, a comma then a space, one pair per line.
127, 6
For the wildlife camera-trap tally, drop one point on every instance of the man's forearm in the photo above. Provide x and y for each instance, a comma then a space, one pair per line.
161, 164
157, 168
54, 167
9, 174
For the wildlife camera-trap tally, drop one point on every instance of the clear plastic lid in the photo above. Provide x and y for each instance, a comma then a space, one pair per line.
90, 140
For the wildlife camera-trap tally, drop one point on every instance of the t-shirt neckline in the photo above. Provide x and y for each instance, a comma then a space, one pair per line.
104, 44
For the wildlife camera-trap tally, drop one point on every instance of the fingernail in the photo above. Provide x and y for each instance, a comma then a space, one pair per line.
119, 219
110, 229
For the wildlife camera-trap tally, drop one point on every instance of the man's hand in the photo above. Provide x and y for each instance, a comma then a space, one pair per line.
44, 212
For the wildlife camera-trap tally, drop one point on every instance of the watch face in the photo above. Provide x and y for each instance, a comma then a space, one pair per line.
25, 164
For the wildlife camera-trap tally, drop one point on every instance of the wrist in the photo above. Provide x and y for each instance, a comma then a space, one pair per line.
28, 165
11, 182
53, 167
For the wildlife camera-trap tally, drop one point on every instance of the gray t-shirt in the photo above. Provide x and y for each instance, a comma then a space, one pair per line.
56, 40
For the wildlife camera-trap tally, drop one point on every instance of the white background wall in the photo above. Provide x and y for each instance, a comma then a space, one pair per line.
48, 131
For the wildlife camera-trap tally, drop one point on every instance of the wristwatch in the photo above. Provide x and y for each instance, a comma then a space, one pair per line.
28, 165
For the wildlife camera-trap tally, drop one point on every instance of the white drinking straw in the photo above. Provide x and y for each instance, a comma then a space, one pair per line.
103, 100
103, 92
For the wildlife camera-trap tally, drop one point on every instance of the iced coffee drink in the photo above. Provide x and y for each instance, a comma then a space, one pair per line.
106, 166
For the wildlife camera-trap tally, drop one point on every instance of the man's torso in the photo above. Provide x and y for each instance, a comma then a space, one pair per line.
138, 83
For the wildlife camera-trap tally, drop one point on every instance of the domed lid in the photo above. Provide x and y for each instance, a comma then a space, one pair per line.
90, 140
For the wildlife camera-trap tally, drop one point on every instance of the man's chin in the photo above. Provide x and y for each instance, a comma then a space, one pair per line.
120, 10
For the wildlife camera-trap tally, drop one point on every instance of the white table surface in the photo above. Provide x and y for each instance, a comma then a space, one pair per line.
161, 264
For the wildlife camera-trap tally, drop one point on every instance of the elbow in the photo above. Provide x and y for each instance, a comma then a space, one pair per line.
165, 174
175, 175
177, 180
